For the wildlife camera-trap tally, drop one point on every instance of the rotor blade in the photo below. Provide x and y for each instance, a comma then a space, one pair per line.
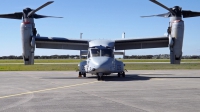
37, 16
159, 15
163, 6
16, 15
188, 13
44, 5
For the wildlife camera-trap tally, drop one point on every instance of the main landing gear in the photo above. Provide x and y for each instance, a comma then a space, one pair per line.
121, 74
82, 74
100, 76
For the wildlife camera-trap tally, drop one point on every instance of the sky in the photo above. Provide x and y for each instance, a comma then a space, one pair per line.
98, 19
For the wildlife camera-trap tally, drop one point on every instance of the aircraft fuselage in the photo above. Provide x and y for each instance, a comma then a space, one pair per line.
100, 59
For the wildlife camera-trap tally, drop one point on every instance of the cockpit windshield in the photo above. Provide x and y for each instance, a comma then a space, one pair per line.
106, 52
95, 52
102, 52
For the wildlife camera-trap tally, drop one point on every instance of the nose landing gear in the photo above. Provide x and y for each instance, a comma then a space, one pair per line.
100, 76
121, 74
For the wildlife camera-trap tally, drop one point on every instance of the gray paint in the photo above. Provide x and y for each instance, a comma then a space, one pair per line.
101, 64
105, 43
177, 34
61, 43
27, 48
141, 43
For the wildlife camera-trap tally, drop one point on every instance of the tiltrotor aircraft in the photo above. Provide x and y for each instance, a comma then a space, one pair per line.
100, 53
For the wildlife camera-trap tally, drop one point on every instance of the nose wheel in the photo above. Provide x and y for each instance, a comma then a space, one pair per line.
100, 76
121, 74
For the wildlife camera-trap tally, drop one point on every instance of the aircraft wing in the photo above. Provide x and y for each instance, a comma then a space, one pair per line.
141, 43
61, 43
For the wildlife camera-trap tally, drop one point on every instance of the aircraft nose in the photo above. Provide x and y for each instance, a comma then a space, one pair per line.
102, 64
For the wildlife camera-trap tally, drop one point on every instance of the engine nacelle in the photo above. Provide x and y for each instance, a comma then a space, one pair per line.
28, 42
176, 41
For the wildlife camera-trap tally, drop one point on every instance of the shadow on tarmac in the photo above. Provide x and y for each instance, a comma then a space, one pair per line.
135, 77
128, 77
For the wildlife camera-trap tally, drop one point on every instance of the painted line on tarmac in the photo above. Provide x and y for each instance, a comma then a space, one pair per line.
50, 89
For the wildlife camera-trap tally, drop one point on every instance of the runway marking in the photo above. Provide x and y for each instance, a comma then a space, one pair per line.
50, 89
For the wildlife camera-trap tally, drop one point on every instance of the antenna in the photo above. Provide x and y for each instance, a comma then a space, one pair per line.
81, 35
123, 35
80, 56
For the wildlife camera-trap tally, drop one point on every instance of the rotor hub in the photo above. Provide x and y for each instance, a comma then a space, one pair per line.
177, 10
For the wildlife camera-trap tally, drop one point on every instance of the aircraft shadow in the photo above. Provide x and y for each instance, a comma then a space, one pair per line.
128, 77
143, 77
65, 78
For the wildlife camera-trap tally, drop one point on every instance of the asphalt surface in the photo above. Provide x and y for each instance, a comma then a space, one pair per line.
139, 91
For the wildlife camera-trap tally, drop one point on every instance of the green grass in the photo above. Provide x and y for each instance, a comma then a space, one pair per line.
42, 61
78, 60
157, 60
67, 67
40, 67
161, 66
74, 67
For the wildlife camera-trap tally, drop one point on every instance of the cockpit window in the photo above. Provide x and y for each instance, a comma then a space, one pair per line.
106, 52
95, 52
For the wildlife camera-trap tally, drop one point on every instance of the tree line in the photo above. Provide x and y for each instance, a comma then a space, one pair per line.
161, 56
45, 57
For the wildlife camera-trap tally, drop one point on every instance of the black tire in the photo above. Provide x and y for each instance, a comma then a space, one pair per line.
79, 74
118, 74
98, 78
84, 74
102, 77
123, 74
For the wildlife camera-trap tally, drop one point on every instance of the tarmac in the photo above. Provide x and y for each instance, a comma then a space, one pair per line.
139, 91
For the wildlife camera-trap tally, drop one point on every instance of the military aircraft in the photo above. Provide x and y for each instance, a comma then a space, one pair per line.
100, 53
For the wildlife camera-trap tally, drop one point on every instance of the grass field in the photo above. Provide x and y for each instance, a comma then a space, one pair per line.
74, 67
78, 60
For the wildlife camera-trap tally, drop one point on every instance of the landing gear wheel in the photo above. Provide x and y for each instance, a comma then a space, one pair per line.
79, 74
99, 78
84, 74
118, 74
123, 74
102, 77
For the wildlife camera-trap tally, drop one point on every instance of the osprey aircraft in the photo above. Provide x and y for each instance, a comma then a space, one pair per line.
100, 53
